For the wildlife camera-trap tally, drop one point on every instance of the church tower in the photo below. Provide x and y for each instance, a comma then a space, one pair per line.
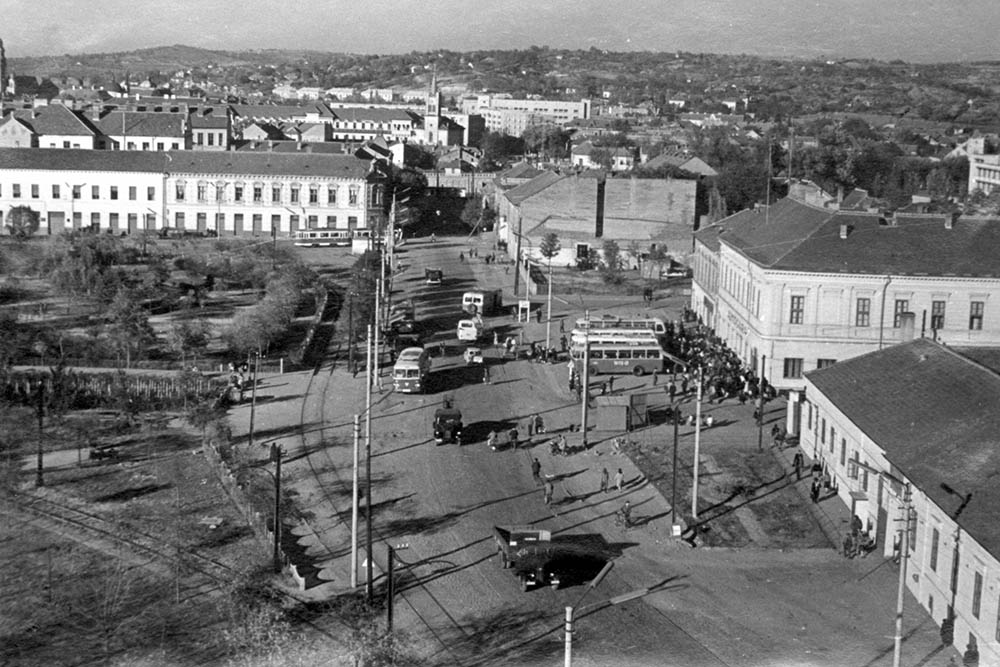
432, 113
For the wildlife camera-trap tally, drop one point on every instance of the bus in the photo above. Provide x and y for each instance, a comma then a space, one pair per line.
654, 324
315, 238
409, 375
578, 337
637, 356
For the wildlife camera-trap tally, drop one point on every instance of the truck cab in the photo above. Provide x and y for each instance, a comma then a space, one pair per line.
448, 424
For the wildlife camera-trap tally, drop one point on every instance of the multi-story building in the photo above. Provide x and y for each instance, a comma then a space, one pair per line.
907, 436
224, 193
141, 131
984, 164
801, 287
512, 117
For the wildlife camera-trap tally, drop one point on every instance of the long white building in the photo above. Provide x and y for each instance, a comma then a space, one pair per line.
796, 287
229, 193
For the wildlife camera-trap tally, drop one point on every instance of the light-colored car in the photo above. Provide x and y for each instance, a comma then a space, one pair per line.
473, 355
470, 330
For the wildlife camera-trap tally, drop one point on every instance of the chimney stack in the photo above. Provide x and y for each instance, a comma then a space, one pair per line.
599, 221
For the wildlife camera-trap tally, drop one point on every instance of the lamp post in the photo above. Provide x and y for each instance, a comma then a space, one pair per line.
763, 402
391, 584
585, 381
897, 644
253, 393
697, 449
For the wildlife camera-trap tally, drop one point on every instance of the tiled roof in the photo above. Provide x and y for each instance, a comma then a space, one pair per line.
366, 115
533, 187
281, 110
794, 236
209, 122
522, 170
934, 414
56, 119
142, 123
185, 162
289, 146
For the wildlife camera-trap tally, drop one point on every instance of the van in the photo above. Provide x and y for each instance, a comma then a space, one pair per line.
484, 302
470, 330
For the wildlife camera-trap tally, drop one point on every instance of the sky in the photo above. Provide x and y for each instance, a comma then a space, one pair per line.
919, 31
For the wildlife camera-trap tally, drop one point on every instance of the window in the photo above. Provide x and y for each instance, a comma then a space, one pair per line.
145, 145
793, 368
159, 145
15, 190
796, 311
833, 439
276, 194
211, 139
293, 222
77, 194
202, 221
352, 222
114, 192
312, 221
258, 193
220, 222
352, 196
864, 479
95, 220
977, 593
976, 315
935, 543
852, 471
294, 196
77, 219
179, 191
220, 190
179, 220
825, 363
331, 195
65, 144
809, 416
822, 430
133, 222
132, 193
937, 315
199, 139
238, 193
902, 306
55, 192
275, 224
258, 223
151, 193
202, 192
113, 221
331, 221
313, 194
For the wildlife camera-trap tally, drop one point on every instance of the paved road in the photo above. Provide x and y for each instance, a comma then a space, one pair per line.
706, 606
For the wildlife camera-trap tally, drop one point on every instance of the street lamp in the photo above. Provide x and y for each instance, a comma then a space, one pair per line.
897, 644
391, 588
253, 392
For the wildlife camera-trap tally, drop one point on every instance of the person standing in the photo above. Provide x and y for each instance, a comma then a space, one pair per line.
815, 489
619, 479
672, 390
536, 470
604, 480
531, 425
491, 440
548, 491
486, 374
797, 462
512, 436
611, 384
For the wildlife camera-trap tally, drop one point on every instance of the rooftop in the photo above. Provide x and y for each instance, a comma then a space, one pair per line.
933, 412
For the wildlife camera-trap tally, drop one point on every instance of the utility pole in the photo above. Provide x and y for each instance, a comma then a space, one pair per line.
40, 409
368, 473
585, 380
378, 323
673, 485
354, 504
697, 449
253, 394
548, 319
391, 583
897, 642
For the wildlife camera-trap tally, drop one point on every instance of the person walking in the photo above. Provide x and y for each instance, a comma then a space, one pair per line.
536, 470
611, 384
531, 425
548, 491
797, 461
491, 440
619, 479
486, 374
604, 480
512, 436
815, 489
539, 424
672, 390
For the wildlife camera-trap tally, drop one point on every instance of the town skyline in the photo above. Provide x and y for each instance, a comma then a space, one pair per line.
891, 30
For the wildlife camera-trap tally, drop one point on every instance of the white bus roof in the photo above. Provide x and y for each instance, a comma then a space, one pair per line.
410, 354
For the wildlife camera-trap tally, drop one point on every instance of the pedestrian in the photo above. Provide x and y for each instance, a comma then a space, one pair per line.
512, 436
496, 339
538, 315
486, 374
611, 384
531, 425
442, 348
491, 440
461, 258
506, 268
548, 491
815, 489
536, 470
604, 480
562, 326
572, 382
562, 343
619, 479
579, 392
656, 376
354, 369
539, 424
672, 390
797, 462
604, 388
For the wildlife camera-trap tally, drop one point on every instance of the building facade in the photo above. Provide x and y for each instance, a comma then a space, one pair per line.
239, 194
794, 287
907, 437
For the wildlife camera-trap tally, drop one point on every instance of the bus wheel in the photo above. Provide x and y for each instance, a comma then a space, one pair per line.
593, 370
637, 371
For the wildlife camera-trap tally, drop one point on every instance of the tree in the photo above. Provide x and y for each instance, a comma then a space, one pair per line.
128, 325
611, 265
188, 336
22, 222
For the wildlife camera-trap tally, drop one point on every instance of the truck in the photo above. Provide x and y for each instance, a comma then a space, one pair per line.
483, 302
530, 553
448, 423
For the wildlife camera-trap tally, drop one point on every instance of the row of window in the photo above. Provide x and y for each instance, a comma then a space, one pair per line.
863, 311
858, 472
255, 193
793, 366
180, 220
240, 193
76, 191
